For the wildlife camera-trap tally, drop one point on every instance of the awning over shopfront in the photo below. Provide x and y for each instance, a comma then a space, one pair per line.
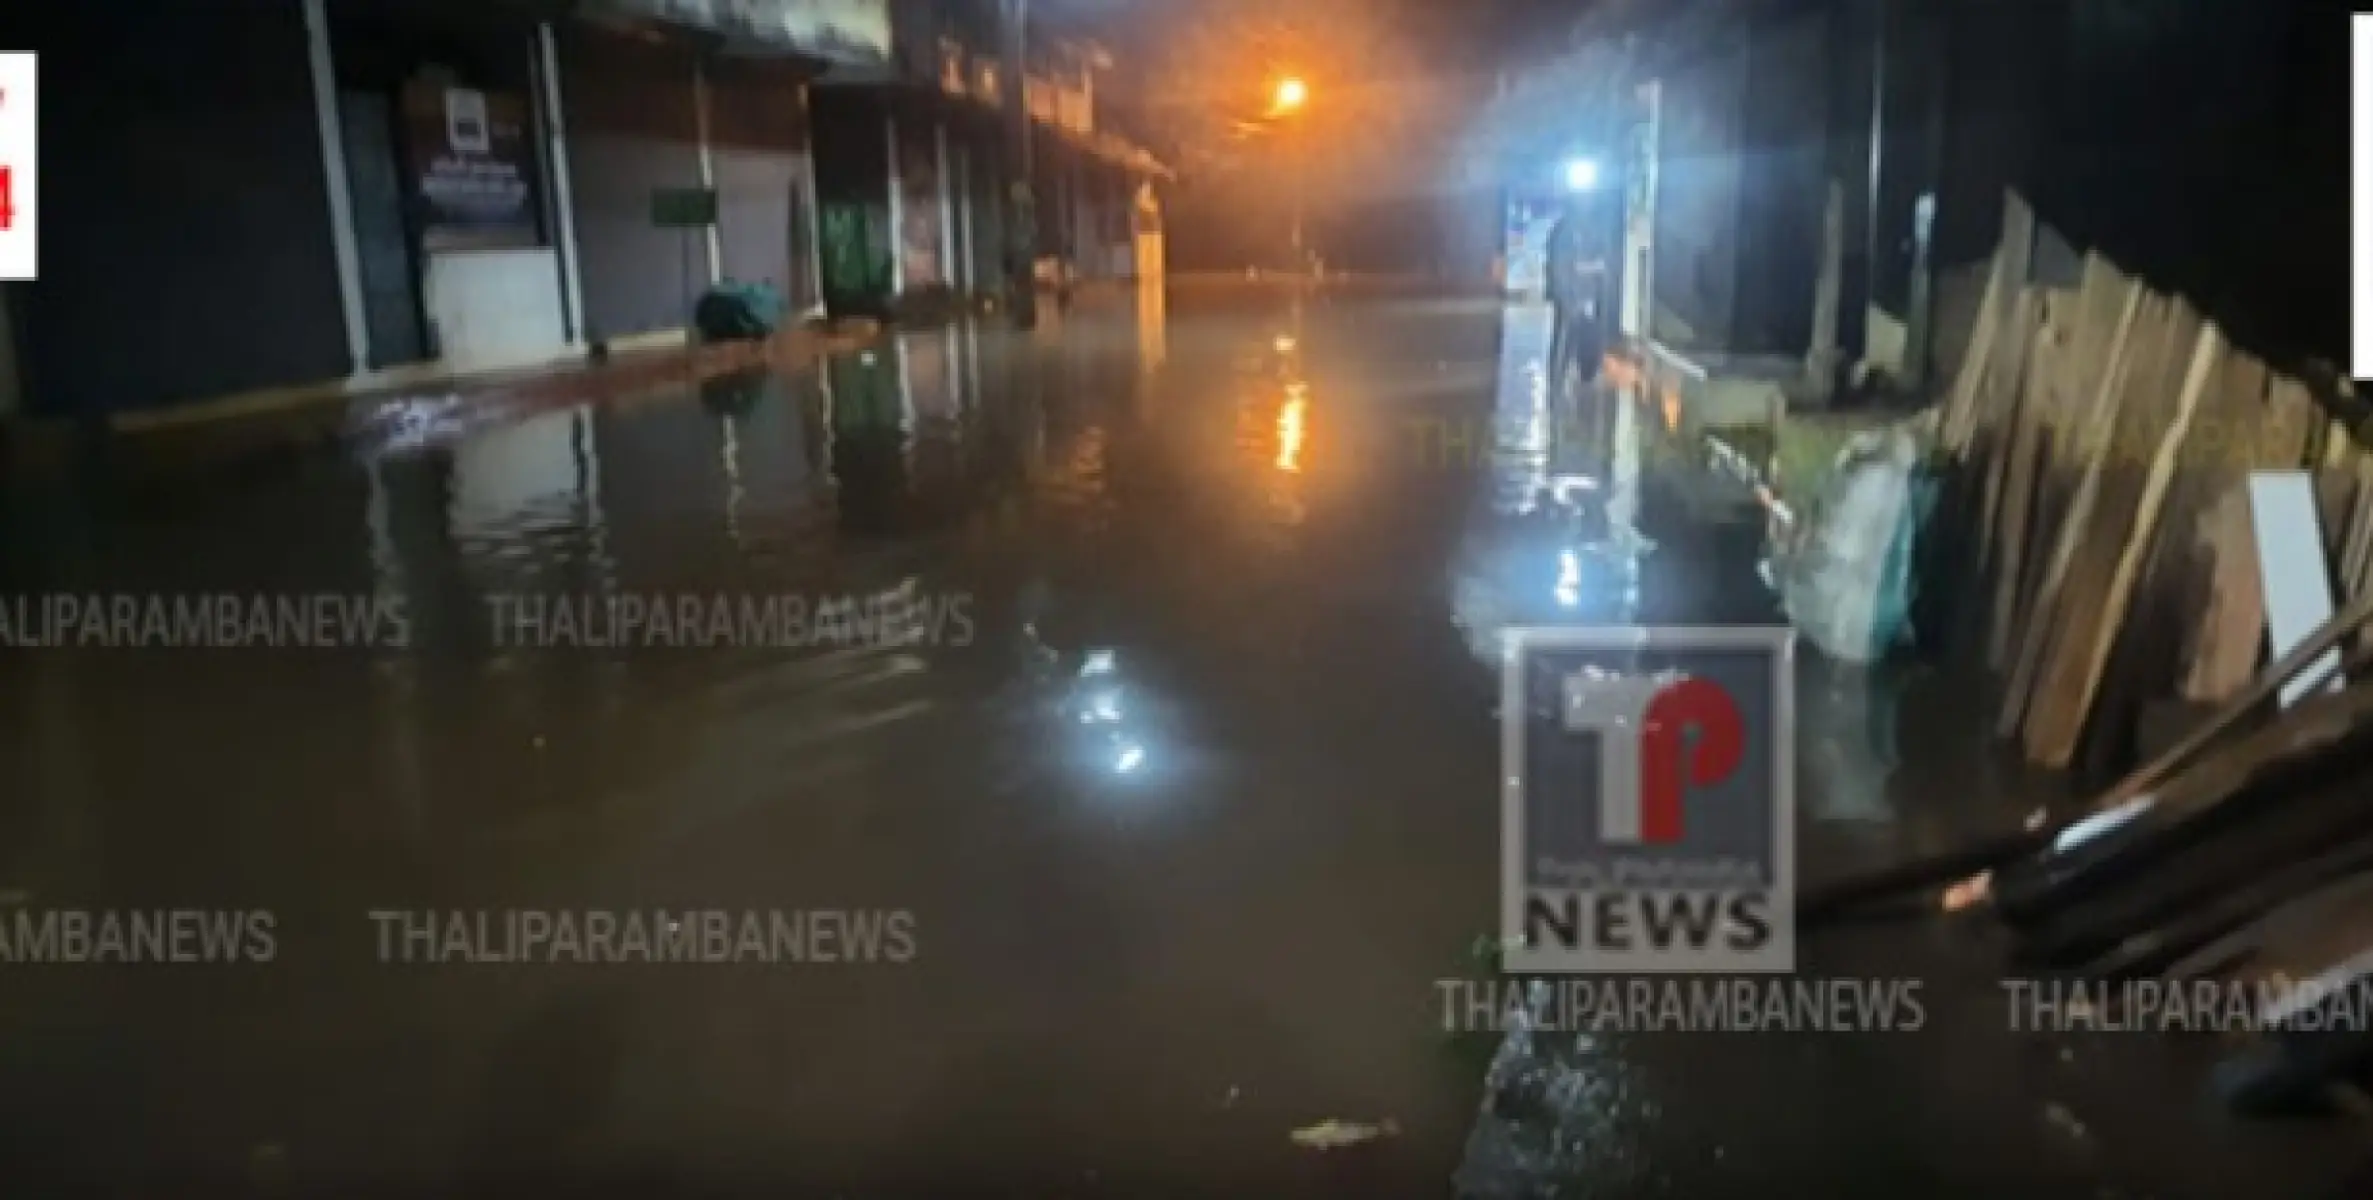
844, 33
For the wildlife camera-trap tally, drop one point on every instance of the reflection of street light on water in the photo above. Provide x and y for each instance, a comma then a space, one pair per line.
1099, 699
1292, 425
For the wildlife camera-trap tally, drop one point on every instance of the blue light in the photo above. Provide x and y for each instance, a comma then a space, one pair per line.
1131, 757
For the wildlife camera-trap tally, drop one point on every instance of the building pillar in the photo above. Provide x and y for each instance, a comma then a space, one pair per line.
564, 207
1021, 209
967, 278
1639, 242
897, 207
341, 196
1930, 41
815, 204
714, 243
1824, 356
1862, 288
947, 207
12, 384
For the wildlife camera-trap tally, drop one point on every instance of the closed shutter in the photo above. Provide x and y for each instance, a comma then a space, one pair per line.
758, 149
632, 130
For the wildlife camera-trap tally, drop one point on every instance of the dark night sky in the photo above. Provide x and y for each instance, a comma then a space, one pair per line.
1395, 85
2199, 142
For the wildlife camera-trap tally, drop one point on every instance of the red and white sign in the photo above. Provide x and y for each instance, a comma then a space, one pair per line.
17, 131
1648, 819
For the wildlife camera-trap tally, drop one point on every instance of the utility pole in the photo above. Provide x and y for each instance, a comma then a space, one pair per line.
1301, 251
1021, 216
1875, 222
1285, 107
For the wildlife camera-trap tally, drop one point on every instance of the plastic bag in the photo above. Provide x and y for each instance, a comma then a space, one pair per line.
733, 311
1845, 580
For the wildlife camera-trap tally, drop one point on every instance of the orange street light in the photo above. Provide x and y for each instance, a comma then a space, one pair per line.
1289, 96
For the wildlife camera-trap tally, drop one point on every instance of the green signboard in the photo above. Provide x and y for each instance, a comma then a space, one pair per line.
681, 208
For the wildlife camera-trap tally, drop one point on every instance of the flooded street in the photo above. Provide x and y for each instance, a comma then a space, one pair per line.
1183, 774
1185, 782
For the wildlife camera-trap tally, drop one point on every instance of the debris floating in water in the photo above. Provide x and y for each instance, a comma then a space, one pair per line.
1332, 1134
2059, 1117
1970, 892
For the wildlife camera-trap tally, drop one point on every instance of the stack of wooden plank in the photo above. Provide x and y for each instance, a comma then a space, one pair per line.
2103, 437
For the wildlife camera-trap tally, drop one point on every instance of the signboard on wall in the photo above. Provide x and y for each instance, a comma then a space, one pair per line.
472, 157
683, 208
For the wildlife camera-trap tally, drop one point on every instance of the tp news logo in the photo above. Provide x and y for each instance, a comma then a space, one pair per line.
18, 124
1648, 815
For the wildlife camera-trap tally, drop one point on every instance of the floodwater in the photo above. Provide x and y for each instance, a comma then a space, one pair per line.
1138, 671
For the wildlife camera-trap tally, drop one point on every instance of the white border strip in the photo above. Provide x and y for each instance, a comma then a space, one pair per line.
2360, 191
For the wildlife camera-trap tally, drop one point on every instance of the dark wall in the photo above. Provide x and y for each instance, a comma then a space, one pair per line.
2201, 144
1784, 180
186, 249
1226, 224
631, 129
1699, 216
380, 45
2205, 145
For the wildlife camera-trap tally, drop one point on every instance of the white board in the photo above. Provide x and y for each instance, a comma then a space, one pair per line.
2292, 570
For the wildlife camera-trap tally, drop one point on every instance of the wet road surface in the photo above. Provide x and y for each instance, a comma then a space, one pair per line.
1184, 775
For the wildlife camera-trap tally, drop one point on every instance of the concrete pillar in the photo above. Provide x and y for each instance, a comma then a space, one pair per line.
708, 165
897, 208
341, 196
1021, 209
564, 206
815, 207
1823, 356
1920, 324
967, 269
1639, 251
1861, 289
947, 206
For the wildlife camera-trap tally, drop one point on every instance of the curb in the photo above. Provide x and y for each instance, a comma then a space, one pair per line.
244, 429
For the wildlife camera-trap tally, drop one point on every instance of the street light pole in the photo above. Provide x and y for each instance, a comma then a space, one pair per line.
1294, 148
1285, 105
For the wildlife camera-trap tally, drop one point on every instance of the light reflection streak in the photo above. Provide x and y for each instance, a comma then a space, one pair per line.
1292, 424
